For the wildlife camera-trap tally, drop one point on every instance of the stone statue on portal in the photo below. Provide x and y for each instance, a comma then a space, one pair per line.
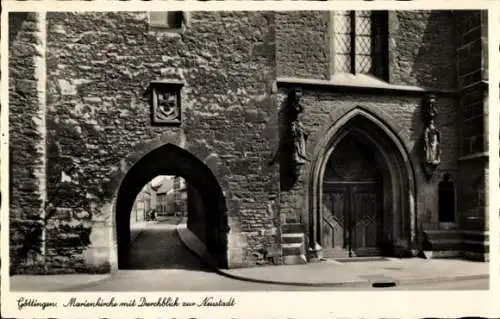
297, 129
293, 134
432, 139
300, 137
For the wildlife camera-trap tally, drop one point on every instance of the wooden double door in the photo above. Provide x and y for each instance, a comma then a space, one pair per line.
351, 213
351, 221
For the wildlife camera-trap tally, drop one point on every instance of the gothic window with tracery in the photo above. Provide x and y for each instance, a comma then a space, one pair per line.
359, 42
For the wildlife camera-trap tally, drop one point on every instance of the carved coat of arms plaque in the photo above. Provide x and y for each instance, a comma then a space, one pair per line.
166, 102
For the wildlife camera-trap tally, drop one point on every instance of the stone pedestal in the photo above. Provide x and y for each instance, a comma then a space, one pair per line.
315, 253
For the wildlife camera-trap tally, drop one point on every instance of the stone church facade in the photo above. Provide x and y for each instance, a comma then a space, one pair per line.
300, 135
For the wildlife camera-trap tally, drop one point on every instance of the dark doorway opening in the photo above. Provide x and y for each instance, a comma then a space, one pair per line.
446, 198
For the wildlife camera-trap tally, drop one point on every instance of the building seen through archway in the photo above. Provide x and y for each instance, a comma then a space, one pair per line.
164, 196
157, 210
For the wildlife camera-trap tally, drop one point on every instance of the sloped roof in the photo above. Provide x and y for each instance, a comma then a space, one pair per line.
166, 185
156, 187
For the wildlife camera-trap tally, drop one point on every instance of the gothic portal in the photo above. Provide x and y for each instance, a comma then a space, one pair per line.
362, 190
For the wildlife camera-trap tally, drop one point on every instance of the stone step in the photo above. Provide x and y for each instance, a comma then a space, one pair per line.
443, 234
294, 260
292, 228
293, 249
335, 254
437, 232
476, 256
360, 259
476, 236
436, 254
445, 244
292, 238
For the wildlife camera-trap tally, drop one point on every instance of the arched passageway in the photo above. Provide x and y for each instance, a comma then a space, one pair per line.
206, 203
362, 190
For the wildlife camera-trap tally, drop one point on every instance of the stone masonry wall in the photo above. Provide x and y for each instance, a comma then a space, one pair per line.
99, 65
472, 70
301, 50
98, 120
421, 47
472, 47
26, 144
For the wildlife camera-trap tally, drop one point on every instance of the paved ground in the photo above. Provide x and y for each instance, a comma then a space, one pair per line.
352, 273
185, 280
477, 284
188, 280
160, 262
402, 271
157, 246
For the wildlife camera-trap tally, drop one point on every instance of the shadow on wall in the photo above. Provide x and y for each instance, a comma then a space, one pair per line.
16, 20
434, 59
289, 169
433, 66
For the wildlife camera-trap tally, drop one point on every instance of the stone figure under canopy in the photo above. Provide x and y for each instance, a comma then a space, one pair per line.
432, 138
432, 135
298, 130
293, 141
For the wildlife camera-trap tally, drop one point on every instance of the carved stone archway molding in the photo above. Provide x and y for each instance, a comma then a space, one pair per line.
401, 171
198, 154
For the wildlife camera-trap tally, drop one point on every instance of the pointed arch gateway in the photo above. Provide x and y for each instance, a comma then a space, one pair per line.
362, 189
209, 221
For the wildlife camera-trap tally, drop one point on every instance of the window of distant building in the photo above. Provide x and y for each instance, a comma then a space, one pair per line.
359, 42
169, 20
446, 198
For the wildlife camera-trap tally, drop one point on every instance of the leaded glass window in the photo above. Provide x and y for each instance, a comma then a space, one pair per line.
363, 38
342, 41
358, 42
